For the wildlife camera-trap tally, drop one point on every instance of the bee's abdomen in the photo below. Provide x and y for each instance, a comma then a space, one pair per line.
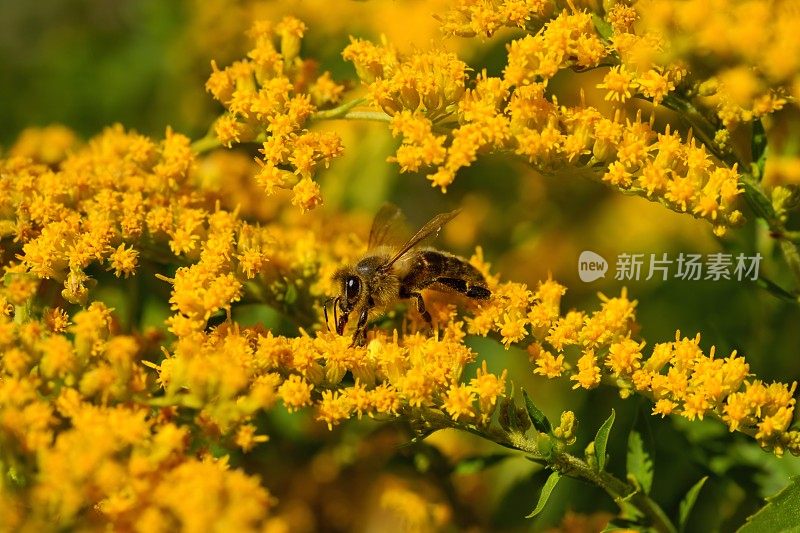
444, 271
471, 290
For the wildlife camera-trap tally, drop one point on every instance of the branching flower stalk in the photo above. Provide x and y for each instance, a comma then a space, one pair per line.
750, 177
550, 451
345, 111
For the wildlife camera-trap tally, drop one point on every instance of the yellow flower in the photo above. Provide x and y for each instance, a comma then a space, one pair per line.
49, 145
774, 424
588, 375
384, 399
622, 18
547, 363
619, 84
655, 85
468, 18
420, 147
695, 405
333, 407
295, 392
618, 175
202, 494
459, 401
359, 398
306, 194
566, 330
664, 407
488, 387
513, 329
736, 410
123, 261
624, 357
273, 109
325, 91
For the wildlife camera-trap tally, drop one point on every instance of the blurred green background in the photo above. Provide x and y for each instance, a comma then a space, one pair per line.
88, 64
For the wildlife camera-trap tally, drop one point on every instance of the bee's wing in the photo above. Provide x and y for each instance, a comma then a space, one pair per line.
385, 224
431, 228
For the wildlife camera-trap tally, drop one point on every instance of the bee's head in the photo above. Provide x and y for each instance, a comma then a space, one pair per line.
351, 288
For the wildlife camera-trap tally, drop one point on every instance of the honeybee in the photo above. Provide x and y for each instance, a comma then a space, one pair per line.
386, 274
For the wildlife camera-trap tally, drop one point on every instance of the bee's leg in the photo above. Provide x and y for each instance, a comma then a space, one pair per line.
325, 311
360, 335
336, 313
421, 307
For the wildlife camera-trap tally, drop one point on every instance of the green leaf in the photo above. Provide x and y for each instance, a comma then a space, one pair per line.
601, 440
513, 416
476, 463
547, 489
688, 503
759, 148
758, 202
781, 513
603, 27
639, 463
540, 421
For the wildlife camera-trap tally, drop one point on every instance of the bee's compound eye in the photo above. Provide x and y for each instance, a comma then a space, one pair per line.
352, 286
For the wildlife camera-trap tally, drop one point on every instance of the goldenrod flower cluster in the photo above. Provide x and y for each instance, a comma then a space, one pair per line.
757, 41
81, 446
99, 426
677, 376
445, 122
743, 57
754, 41
231, 373
682, 379
270, 98
83, 403
120, 189
135, 430
482, 17
48, 145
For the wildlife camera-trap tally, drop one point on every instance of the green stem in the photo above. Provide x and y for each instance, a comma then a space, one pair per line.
346, 112
621, 492
792, 256
793, 236
702, 128
762, 206
22, 313
337, 112
754, 193
206, 144
377, 116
